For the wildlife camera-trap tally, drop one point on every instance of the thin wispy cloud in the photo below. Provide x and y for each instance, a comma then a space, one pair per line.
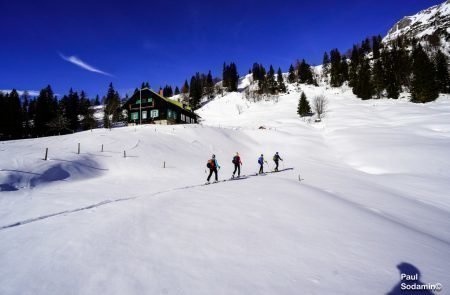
78, 62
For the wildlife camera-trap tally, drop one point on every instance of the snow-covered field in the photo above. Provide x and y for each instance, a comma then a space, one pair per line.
374, 192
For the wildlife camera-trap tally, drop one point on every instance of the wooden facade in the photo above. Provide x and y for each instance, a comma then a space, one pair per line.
148, 107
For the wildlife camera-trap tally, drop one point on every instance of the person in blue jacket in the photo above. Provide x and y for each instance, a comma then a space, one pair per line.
213, 165
261, 162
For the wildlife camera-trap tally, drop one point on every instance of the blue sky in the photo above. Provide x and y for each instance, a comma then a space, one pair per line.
87, 44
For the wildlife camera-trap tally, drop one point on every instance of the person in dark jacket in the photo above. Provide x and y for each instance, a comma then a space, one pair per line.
237, 164
213, 165
276, 159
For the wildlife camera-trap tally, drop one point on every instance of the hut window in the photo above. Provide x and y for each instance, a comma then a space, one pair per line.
171, 114
154, 113
150, 100
134, 116
144, 115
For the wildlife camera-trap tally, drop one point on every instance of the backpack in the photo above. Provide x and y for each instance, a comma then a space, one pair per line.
275, 158
211, 164
235, 160
260, 161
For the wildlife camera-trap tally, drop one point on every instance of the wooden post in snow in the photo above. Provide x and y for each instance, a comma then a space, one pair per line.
102, 147
124, 154
79, 147
46, 154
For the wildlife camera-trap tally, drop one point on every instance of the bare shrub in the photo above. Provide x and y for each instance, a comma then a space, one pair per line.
320, 105
239, 108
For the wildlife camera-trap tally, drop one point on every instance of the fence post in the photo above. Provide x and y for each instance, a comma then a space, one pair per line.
102, 147
79, 145
46, 154
164, 164
124, 154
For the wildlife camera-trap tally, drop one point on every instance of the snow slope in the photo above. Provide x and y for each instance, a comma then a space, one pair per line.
373, 193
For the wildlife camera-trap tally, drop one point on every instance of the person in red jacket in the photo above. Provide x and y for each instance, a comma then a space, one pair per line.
237, 164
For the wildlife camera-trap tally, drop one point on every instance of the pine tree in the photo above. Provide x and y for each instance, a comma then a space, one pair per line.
97, 100
442, 75
304, 73
391, 80
378, 78
45, 111
423, 86
335, 70
376, 45
230, 77
25, 114
59, 123
225, 76
167, 91
326, 64
90, 122
196, 91
116, 113
303, 106
3, 116
32, 114
185, 88
209, 85
87, 112
234, 77
15, 115
72, 110
272, 85
256, 73
354, 63
344, 70
364, 87
112, 104
280, 81
177, 91
291, 75
262, 83
84, 107
365, 46
402, 64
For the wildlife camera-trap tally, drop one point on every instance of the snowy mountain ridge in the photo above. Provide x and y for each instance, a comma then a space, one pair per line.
434, 20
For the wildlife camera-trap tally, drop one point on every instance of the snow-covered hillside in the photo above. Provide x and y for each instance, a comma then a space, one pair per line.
373, 194
433, 20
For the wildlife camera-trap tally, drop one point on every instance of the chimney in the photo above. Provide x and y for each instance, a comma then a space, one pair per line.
160, 91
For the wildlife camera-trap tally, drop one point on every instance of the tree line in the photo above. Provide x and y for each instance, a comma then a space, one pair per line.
374, 69
23, 116
371, 68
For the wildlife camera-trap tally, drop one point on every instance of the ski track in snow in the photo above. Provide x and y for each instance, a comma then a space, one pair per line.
106, 202
352, 204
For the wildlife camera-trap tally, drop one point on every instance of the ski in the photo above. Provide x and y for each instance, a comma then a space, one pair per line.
242, 177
